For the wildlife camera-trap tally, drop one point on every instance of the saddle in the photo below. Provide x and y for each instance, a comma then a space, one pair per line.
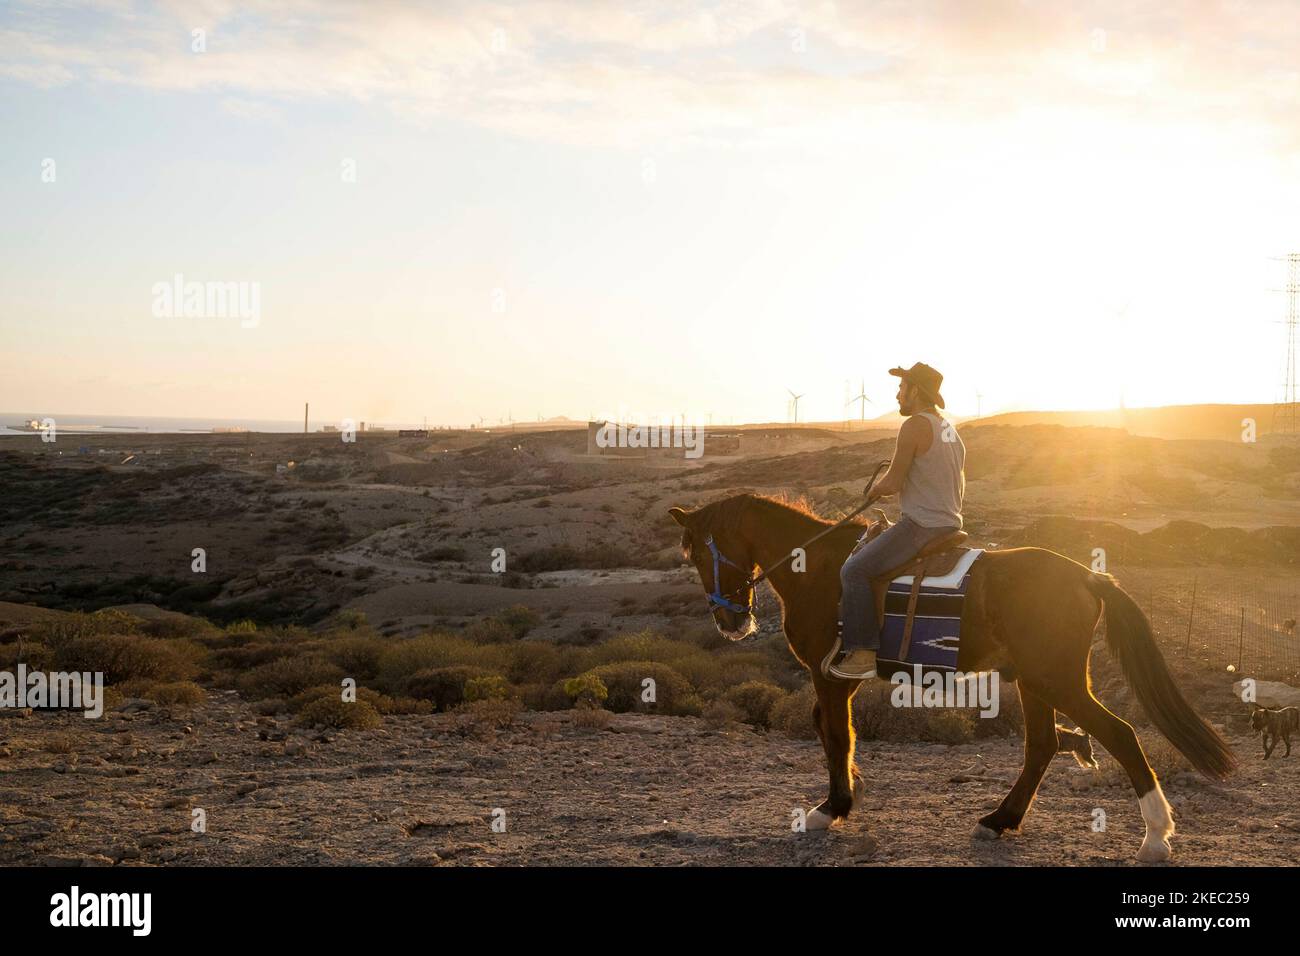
941, 556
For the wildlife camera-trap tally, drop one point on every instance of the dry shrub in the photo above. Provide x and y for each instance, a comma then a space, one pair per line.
591, 718
172, 627
793, 715
948, 725
536, 662
124, 657
331, 712
715, 672
79, 625
59, 744
382, 703
35, 655
489, 630
357, 656
520, 619
483, 718
1164, 758
247, 656
721, 713
177, 694
402, 660
287, 676
755, 700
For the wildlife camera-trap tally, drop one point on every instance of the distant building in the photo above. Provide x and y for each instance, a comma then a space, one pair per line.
413, 433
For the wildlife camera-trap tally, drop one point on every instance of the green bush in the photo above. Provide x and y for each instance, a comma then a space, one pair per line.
492, 687
444, 686
586, 690
624, 680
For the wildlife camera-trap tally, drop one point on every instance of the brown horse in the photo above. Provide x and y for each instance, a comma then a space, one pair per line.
1029, 614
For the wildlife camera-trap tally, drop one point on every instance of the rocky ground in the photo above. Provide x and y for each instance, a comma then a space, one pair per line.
645, 790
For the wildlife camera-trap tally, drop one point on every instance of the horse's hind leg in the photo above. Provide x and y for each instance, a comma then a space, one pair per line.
835, 729
1040, 748
1118, 738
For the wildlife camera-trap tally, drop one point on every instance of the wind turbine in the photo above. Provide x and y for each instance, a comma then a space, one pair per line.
862, 398
795, 398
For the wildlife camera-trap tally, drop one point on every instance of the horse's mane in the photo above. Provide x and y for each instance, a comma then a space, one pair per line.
727, 510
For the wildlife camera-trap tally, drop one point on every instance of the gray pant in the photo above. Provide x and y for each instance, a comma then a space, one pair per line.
897, 544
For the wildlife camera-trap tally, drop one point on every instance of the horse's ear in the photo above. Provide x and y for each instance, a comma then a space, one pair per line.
679, 516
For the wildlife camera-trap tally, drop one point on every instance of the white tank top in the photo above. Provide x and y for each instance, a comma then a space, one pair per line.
936, 483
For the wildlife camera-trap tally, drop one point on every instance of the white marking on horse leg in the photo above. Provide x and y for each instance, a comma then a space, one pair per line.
1159, 819
818, 820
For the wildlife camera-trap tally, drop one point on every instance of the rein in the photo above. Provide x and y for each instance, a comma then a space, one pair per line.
717, 599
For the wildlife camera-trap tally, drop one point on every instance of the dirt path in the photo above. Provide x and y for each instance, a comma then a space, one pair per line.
648, 791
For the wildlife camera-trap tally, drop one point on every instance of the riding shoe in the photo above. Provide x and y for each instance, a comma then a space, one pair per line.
855, 665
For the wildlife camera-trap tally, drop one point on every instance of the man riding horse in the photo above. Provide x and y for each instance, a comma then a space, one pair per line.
928, 474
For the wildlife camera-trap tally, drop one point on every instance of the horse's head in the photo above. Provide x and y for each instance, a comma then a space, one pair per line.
1257, 719
725, 566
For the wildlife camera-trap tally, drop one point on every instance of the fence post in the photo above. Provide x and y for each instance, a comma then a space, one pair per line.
1241, 631
1190, 616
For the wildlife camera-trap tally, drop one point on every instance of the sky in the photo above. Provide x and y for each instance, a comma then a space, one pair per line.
480, 211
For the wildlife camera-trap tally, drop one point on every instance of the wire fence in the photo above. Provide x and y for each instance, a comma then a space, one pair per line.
1223, 617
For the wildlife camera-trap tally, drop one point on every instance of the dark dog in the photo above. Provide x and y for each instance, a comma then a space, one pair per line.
1275, 724
1078, 743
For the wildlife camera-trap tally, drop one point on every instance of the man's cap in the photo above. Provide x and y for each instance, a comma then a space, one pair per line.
927, 379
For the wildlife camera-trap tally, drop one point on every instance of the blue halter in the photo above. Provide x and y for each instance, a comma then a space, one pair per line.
716, 597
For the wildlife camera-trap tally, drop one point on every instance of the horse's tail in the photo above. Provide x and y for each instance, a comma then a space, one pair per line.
1128, 635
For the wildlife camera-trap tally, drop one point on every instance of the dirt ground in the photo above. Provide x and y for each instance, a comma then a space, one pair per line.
647, 790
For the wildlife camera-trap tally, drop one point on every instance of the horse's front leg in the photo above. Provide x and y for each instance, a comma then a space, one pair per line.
1040, 748
833, 714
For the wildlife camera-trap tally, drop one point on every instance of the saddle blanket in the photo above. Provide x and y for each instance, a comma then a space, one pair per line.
936, 629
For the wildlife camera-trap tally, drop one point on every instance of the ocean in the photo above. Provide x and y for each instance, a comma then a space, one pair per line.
12, 423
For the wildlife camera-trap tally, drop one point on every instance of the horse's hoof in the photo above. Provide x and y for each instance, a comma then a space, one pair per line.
1154, 851
817, 820
985, 833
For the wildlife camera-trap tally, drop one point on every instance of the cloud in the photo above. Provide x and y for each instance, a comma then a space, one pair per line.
772, 71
